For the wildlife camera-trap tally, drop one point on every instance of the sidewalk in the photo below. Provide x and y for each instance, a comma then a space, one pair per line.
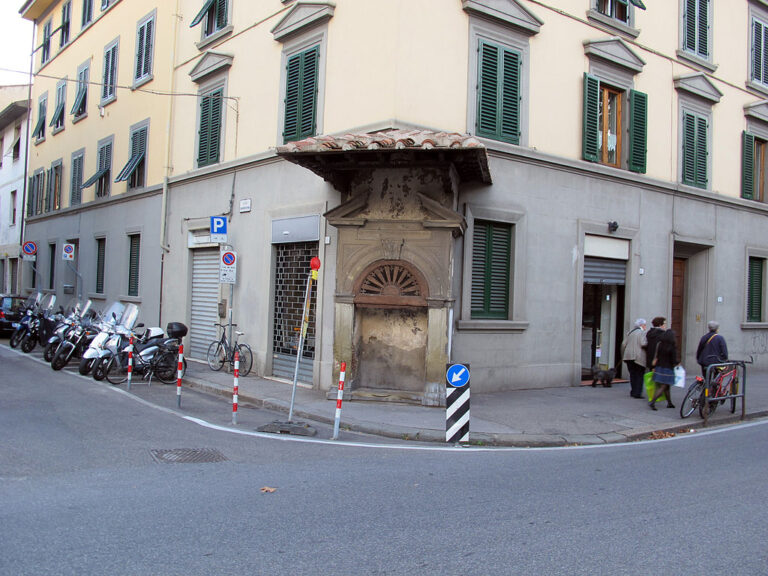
549, 417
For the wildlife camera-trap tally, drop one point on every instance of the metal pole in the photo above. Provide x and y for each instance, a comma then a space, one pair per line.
304, 324
231, 295
235, 390
337, 419
179, 373
130, 361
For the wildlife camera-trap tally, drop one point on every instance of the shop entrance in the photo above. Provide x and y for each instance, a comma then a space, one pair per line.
602, 315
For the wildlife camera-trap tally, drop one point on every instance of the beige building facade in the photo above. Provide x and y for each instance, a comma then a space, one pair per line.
506, 183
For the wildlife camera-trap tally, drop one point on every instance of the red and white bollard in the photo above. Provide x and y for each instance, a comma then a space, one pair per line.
235, 390
337, 419
179, 374
130, 362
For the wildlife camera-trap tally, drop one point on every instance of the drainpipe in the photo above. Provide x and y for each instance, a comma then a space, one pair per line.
169, 140
20, 269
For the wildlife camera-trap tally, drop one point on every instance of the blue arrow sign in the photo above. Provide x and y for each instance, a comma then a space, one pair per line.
457, 375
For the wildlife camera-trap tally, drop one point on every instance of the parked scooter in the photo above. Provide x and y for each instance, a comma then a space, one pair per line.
78, 338
118, 317
30, 306
40, 325
65, 320
154, 355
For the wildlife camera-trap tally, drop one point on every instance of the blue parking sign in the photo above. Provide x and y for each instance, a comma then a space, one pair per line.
218, 228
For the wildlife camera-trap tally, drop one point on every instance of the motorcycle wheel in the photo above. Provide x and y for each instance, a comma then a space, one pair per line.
17, 337
50, 351
86, 365
60, 359
115, 372
98, 368
166, 366
28, 343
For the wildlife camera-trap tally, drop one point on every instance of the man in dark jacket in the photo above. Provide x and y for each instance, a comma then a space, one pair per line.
712, 348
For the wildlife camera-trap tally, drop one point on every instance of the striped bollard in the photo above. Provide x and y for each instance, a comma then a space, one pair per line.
130, 362
457, 403
236, 390
179, 373
342, 376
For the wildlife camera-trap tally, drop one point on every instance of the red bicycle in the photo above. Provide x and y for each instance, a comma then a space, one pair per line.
724, 385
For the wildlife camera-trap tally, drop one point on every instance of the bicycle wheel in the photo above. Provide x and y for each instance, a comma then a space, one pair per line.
711, 404
216, 355
166, 367
692, 399
246, 359
115, 372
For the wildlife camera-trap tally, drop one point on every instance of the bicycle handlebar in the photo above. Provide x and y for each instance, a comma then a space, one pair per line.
224, 325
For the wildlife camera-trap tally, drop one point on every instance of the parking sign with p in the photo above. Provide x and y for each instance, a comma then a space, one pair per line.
218, 229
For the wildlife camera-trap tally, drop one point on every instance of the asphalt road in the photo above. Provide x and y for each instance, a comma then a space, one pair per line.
84, 490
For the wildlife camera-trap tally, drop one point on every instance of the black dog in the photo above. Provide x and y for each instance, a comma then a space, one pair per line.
605, 377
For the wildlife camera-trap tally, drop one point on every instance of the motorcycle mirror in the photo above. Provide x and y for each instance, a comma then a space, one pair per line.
140, 325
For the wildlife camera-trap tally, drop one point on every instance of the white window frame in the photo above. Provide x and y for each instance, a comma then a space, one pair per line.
142, 73
109, 75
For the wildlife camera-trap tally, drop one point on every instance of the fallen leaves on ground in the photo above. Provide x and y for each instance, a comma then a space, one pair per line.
659, 434
268, 490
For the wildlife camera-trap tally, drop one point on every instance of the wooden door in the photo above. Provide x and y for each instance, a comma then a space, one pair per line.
678, 301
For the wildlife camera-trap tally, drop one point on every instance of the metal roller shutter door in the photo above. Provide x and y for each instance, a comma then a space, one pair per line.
604, 271
205, 301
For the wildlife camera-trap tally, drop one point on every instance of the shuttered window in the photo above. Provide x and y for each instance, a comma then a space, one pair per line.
51, 266
603, 135
214, 15
209, 141
694, 150
134, 170
145, 40
75, 193
133, 264
79, 108
498, 93
491, 255
109, 82
87, 13
755, 289
57, 120
42, 109
101, 253
696, 24
301, 88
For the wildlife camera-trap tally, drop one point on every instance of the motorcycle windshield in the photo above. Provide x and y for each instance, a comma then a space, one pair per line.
33, 299
114, 312
130, 315
48, 302
86, 311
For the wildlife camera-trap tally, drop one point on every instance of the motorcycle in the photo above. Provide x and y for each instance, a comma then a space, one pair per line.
78, 338
154, 354
40, 325
118, 318
30, 305
65, 319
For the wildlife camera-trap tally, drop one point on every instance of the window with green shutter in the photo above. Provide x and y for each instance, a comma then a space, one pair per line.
498, 98
133, 264
101, 252
754, 175
694, 150
638, 131
696, 27
491, 256
209, 141
755, 289
301, 86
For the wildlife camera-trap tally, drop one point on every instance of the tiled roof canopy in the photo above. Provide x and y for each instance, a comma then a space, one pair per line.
338, 158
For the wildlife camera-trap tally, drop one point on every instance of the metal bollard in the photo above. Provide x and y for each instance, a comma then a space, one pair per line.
235, 390
337, 419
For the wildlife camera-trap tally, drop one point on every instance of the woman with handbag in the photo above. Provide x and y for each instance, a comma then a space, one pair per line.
664, 364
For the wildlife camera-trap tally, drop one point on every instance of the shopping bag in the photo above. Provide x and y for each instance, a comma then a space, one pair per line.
679, 377
650, 387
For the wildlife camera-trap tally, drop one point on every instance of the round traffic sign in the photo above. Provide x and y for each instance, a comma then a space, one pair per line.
29, 248
228, 258
69, 248
457, 375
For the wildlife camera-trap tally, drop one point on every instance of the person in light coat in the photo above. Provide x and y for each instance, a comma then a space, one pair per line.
633, 354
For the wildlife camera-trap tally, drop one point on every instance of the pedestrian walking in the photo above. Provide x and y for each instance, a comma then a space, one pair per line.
633, 354
712, 348
666, 358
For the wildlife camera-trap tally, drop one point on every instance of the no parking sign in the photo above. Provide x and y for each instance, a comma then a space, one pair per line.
68, 252
228, 267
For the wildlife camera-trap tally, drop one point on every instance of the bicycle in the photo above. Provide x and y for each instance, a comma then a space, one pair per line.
220, 351
724, 381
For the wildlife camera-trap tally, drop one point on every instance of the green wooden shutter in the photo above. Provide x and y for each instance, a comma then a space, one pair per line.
490, 270
689, 149
758, 72
301, 86
498, 93
755, 290
703, 28
133, 266
638, 131
221, 14
701, 152
747, 165
591, 127
140, 52
101, 248
209, 141
690, 25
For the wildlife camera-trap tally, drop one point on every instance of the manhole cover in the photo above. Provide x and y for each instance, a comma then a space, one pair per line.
187, 455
